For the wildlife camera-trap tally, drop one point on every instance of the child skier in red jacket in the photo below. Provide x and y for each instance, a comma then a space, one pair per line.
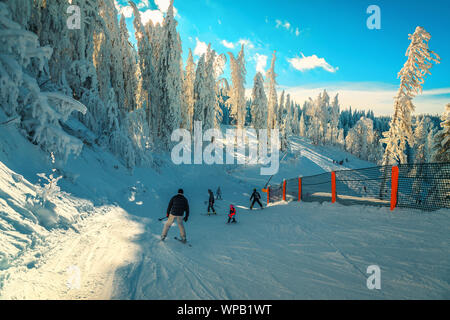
232, 214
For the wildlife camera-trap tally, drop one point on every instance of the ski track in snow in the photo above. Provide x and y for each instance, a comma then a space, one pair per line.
103, 244
286, 251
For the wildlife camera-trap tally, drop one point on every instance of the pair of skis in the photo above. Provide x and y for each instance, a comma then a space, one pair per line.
188, 244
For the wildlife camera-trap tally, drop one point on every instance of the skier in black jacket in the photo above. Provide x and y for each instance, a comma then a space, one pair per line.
178, 205
255, 197
211, 202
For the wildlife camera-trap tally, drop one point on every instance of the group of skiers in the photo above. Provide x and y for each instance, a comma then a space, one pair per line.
179, 207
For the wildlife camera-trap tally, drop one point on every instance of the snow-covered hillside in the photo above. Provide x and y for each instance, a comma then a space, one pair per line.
98, 237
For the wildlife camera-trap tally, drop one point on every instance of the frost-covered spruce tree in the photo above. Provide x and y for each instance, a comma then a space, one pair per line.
334, 121
280, 112
421, 149
302, 127
441, 148
295, 121
113, 51
362, 141
341, 139
315, 113
417, 66
130, 81
272, 98
205, 91
259, 103
200, 90
168, 71
50, 26
237, 92
287, 116
39, 113
323, 115
187, 111
145, 66
211, 97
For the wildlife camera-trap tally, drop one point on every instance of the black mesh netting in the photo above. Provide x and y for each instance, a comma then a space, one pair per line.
420, 186
424, 186
368, 186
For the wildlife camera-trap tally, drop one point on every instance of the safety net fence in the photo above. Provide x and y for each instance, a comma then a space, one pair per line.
419, 186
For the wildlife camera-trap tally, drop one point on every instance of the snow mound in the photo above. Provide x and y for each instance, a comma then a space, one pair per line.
27, 216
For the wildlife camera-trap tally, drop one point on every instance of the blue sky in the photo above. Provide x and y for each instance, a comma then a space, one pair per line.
320, 44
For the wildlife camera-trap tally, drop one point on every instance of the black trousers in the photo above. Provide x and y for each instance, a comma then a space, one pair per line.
211, 206
229, 219
253, 203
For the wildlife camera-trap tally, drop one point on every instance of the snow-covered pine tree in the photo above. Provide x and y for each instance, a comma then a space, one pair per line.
420, 60
421, 139
441, 148
237, 94
205, 90
287, 116
40, 113
200, 90
259, 103
362, 141
129, 63
302, 126
169, 85
211, 97
323, 114
187, 111
145, 67
272, 99
341, 139
334, 121
281, 110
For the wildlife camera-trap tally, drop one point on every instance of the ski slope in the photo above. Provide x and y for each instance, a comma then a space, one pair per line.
103, 242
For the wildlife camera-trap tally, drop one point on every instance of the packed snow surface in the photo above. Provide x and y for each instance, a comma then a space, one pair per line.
97, 236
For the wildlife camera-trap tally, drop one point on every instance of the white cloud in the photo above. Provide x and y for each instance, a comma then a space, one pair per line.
201, 48
163, 5
286, 24
307, 63
374, 96
261, 63
155, 16
226, 44
143, 4
126, 11
247, 43
297, 32
219, 21
117, 5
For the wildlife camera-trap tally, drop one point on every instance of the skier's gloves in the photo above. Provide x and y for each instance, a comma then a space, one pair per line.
185, 219
167, 215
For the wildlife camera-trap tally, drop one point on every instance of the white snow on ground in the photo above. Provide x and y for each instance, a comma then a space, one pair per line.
105, 230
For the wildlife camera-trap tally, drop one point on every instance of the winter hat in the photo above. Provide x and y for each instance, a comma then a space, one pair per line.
180, 191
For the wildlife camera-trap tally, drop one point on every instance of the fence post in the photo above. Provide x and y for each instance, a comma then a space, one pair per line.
267, 191
394, 187
333, 186
284, 190
299, 189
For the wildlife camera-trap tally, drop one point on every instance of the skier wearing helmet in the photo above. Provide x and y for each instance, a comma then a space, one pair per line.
232, 214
